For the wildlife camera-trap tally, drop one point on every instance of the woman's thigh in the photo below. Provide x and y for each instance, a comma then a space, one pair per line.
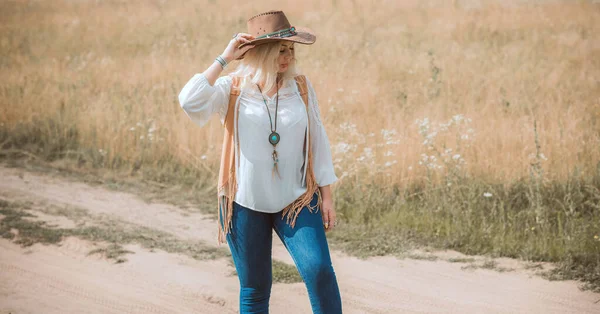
306, 242
250, 242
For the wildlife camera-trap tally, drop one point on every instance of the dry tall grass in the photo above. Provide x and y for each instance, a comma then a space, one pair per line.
112, 70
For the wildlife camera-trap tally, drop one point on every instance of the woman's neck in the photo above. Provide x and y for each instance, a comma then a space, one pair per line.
274, 89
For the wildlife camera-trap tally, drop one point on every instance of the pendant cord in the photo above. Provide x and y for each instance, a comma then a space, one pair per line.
276, 102
276, 105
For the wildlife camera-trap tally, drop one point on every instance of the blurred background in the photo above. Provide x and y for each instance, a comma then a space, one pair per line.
471, 125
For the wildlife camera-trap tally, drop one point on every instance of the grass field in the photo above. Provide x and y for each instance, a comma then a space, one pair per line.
472, 125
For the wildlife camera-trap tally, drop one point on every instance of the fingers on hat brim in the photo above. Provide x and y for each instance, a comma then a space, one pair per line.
304, 36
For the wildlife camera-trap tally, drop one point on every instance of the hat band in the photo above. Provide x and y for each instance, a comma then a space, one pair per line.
288, 32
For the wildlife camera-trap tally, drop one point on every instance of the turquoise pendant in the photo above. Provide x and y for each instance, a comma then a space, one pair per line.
274, 138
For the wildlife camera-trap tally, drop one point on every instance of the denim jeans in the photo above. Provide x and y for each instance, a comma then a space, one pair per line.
251, 240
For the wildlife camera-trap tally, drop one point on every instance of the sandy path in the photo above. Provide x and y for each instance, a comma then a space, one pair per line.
62, 279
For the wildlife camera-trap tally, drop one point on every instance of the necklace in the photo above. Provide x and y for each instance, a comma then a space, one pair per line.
274, 136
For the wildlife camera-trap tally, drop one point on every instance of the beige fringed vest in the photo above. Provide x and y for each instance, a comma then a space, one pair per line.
227, 177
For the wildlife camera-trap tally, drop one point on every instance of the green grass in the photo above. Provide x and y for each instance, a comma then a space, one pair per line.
487, 264
112, 251
364, 241
29, 232
282, 272
424, 257
461, 260
285, 273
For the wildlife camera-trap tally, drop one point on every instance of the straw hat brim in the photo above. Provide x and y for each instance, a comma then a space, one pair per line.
303, 36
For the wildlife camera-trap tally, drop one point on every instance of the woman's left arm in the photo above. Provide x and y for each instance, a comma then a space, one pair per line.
322, 160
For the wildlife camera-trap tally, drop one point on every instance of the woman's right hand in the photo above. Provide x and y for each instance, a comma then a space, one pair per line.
232, 52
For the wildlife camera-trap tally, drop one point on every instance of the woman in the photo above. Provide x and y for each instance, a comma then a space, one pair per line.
276, 166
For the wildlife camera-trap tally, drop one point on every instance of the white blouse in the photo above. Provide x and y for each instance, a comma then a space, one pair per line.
257, 188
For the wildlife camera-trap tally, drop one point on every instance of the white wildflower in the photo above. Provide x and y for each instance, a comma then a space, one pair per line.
349, 127
458, 118
388, 133
389, 136
342, 148
423, 124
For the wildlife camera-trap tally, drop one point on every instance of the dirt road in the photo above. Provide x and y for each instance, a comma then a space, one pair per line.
65, 279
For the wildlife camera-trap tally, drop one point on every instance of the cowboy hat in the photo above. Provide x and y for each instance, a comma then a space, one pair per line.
274, 26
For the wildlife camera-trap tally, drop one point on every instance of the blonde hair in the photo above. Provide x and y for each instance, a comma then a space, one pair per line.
260, 66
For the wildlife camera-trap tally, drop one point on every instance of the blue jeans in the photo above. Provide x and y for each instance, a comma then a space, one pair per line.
251, 240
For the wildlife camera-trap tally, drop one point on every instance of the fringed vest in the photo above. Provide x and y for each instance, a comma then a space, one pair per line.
227, 177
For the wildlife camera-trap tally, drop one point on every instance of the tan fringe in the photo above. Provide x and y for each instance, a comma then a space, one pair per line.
293, 210
226, 206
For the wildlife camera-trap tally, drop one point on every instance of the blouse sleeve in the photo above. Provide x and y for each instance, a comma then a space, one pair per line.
322, 161
200, 100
